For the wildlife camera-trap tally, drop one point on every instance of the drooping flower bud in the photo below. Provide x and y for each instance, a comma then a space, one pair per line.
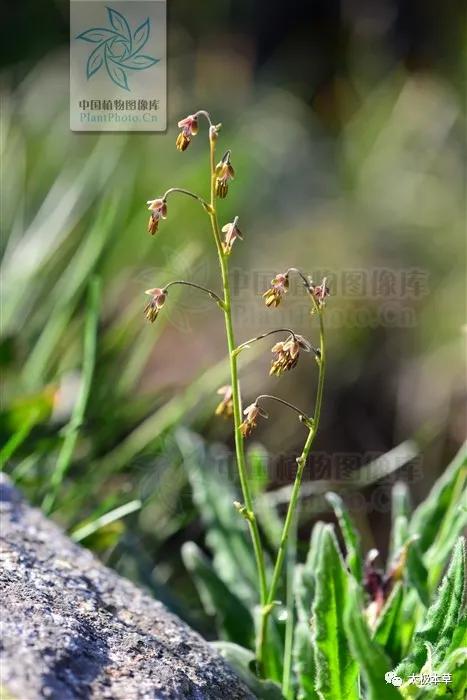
189, 128
225, 407
224, 173
249, 424
157, 301
158, 209
287, 353
232, 232
279, 286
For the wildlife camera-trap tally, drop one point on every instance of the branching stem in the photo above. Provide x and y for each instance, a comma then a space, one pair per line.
301, 463
302, 414
212, 294
247, 343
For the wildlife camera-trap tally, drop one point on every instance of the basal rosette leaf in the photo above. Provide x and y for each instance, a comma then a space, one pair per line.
388, 628
349, 532
428, 517
445, 620
304, 661
372, 661
304, 583
336, 671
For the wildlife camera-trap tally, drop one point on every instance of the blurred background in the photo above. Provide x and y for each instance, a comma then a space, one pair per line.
347, 131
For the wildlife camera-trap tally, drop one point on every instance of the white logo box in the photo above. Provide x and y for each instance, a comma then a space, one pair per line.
118, 65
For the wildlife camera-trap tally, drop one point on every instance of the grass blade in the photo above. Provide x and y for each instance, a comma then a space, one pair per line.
72, 431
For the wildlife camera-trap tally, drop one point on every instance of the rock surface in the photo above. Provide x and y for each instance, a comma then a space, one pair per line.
71, 628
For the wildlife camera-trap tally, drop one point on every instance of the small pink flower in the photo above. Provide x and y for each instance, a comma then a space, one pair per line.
189, 128
249, 424
232, 232
158, 209
279, 286
157, 301
224, 173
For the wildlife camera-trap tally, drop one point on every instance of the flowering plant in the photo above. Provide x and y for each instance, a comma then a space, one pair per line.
341, 632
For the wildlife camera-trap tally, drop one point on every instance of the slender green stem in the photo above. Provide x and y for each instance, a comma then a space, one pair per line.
302, 415
188, 193
72, 431
236, 399
212, 294
249, 342
301, 462
289, 626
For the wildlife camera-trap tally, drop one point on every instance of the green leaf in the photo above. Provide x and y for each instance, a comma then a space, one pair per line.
304, 662
233, 617
350, 534
428, 517
304, 583
304, 590
456, 665
388, 629
226, 530
400, 507
408, 549
242, 661
443, 620
336, 671
372, 660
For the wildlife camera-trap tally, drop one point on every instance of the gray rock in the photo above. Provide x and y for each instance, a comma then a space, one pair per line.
74, 629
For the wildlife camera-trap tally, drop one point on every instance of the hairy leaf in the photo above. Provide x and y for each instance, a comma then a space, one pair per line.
336, 671
388, 629
409, 549
304, 662
443, 620
400, 507
372, 660
350, 534
427, 518
304, 583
